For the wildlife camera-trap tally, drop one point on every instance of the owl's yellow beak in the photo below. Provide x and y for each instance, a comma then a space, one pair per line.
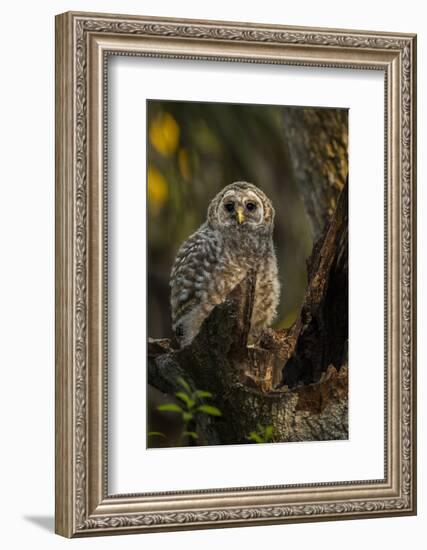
239, 215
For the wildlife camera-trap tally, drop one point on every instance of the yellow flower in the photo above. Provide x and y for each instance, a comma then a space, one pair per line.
184, 164
157, 190
164, 134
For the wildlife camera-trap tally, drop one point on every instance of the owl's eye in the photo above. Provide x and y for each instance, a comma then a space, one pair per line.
229, 206
251, 206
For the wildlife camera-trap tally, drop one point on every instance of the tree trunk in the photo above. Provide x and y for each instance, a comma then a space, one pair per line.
317, 141
296, 380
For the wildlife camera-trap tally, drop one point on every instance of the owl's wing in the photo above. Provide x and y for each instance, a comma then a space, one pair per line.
192, 271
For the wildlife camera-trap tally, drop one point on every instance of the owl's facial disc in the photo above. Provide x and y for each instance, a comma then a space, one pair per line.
241, 210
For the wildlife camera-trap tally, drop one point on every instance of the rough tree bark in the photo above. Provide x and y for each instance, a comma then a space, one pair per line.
317, 140
296, 380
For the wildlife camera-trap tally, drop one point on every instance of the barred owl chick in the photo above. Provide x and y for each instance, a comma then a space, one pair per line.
236, 237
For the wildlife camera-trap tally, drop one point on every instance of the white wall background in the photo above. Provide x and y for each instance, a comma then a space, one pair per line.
27, 272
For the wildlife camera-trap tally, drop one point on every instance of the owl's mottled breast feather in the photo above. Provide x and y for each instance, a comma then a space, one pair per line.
191, 269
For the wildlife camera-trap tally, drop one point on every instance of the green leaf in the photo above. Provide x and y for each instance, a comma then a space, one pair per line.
209, 409
268, 434
253, 436
200, 394
186, 416
171, 407
184, 384
191, 434
184, 397
160, 434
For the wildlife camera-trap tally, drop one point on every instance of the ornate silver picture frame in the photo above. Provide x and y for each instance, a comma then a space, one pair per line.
84, 42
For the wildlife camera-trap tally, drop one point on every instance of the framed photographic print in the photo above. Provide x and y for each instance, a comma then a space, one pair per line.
235, 274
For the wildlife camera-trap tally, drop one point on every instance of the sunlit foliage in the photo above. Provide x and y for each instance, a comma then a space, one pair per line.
157, 190
191, 404
164, 133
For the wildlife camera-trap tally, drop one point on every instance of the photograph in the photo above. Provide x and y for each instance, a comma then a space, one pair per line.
247, 273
